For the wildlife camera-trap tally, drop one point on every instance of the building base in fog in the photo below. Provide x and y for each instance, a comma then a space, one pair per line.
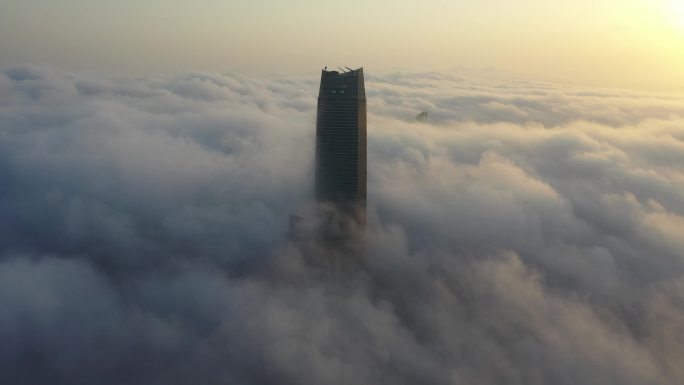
329, 226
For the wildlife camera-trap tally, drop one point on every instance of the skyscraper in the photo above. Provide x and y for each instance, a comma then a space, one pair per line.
341, 142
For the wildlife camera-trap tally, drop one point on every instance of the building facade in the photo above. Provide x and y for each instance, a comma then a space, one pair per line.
341, 142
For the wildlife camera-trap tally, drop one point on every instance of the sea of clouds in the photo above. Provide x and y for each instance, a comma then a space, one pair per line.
527, 233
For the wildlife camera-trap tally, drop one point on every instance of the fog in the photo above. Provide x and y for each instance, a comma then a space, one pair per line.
527, 233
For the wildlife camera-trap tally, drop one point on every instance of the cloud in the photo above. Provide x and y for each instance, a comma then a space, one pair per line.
528, 233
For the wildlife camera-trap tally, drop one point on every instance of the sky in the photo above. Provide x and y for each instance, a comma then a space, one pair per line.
619, 43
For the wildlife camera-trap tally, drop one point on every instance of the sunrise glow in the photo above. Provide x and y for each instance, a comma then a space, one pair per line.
627, 43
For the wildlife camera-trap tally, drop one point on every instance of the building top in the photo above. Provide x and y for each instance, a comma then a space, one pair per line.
342, 84
341, 72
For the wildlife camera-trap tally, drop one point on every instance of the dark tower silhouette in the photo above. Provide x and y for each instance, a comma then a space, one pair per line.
341, 142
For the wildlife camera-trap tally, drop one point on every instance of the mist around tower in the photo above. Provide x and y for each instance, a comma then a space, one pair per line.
337, 220
526, 233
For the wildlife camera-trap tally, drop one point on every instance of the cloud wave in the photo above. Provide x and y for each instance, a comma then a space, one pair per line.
528, 233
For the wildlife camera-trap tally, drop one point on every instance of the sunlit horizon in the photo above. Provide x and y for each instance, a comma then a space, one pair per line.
628, 44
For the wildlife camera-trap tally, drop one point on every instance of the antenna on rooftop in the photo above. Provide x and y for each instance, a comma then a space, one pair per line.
348, 68
343, 71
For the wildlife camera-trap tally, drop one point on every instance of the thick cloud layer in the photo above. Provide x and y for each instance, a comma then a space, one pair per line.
526, 234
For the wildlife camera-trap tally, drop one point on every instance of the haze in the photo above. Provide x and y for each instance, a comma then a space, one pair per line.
625, 43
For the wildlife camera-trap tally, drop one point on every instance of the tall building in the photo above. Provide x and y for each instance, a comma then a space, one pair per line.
341, 142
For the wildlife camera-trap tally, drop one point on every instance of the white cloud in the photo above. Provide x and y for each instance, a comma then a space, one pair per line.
527, 234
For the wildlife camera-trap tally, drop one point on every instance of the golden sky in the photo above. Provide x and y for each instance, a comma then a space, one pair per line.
625, 43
